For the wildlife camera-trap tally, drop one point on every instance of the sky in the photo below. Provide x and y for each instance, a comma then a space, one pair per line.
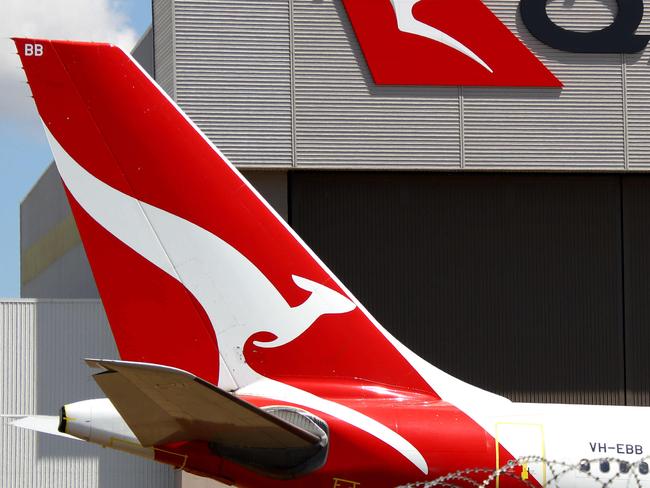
24, 153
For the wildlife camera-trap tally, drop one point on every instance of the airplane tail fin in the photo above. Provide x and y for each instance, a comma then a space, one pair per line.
196, 271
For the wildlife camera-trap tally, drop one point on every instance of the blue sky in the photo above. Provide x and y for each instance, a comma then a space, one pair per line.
24, 153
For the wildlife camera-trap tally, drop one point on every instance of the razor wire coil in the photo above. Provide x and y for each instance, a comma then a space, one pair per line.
557, 472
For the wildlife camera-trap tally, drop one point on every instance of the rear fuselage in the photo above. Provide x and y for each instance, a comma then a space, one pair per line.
575, 445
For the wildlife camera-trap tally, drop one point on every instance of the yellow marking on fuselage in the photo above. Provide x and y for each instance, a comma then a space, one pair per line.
184, 456
341, 483
524, 470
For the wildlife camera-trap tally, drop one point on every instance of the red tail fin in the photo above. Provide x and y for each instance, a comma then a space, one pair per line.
195, 270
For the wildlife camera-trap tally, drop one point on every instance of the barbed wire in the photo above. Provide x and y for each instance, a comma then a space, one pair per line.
556, 471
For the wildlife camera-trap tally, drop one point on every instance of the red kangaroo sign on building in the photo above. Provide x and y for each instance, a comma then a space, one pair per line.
442, 42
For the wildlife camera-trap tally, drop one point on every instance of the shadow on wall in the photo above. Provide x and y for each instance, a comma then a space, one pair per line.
67, 331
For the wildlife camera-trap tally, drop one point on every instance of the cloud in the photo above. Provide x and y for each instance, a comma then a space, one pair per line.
88, 20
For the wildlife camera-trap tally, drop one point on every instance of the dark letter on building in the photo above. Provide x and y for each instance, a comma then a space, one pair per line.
618, 37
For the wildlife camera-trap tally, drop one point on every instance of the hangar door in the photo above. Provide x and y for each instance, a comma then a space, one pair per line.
513, 282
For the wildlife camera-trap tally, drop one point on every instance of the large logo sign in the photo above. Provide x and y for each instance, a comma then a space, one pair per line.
619, 37
442, 42
447, 42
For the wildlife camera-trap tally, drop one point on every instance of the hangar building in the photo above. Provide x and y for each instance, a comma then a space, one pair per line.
501, 233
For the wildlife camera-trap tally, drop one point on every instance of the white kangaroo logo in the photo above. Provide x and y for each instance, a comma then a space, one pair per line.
237, 297
239, 300
406, 22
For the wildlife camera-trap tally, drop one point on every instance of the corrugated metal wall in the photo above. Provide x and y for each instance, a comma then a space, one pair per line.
579, 126
510, 282
18, 393
43, 343
636, 252
164, 45
344, 119
233, 73
284, 82
637, 95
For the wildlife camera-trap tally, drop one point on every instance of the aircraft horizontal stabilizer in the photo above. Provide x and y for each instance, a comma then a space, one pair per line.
161, 404
47, 424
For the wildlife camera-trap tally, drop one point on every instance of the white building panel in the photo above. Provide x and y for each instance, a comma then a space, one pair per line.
43, 343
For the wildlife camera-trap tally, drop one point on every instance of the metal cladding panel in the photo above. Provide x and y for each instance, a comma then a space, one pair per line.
637, 70
284, 82
17, 392
233, 76
164, 47
509, 282
636, 231
343, 119
43, 343
143, 52
578, 126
